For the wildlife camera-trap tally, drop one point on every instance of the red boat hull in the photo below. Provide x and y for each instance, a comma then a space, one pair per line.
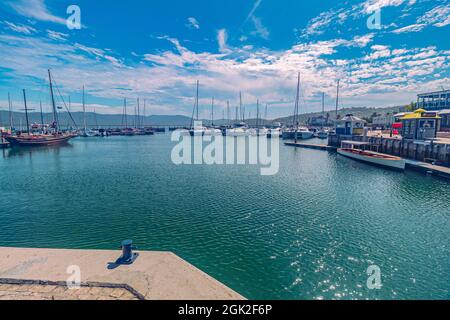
39, 140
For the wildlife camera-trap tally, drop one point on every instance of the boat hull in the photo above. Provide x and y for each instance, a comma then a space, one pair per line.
301, 135
374, 158
39, 141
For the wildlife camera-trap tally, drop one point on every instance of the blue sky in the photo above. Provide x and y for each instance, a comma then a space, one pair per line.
156, 50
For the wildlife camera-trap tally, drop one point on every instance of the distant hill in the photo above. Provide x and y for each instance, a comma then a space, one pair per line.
105, 120
361, 112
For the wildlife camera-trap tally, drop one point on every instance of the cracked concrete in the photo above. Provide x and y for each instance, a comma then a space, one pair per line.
154, 275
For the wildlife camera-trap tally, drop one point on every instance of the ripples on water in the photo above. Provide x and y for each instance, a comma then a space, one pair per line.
309, 232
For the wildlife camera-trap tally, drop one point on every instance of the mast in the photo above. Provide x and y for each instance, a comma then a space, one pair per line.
228, 112
11, 121
138, 116
95, 118
143, 117
212, 112
125, 112
265, 113
240, 106
297, 99
26, 111
257, 113
196, 100
84, 113
42, 114
55, 112
337, 100
323, 108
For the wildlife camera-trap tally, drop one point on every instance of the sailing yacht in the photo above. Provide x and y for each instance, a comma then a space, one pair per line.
296, 131
55, 138
240, 129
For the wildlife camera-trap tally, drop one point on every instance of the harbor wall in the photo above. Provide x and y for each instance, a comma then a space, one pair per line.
409, 149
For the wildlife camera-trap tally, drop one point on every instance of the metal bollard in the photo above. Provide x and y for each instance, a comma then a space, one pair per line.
128, 256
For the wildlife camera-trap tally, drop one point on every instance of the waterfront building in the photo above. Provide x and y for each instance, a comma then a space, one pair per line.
420, 125
439, 100
383, 121
350, 125
445, 121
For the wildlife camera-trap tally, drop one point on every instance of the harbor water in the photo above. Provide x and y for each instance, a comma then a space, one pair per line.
309, 232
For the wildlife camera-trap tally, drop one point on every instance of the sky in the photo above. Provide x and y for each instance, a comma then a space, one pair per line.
157, 50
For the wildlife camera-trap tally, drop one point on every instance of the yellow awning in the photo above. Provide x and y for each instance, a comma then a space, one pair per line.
418, 115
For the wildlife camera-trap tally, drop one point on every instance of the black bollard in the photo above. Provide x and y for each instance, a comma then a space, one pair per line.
128, 256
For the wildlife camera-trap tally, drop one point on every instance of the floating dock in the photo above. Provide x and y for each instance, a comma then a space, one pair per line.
311, 146
440, 171
42, 274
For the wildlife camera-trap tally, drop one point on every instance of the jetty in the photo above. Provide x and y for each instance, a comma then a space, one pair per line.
311, 146
40, 274
428, 168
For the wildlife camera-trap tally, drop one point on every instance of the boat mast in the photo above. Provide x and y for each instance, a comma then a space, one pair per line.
55, 112
337, 101
26, 111
212, 112
196, 99
138, 116
296, 117
297, 99
143, 117
125, 112
240, 106
228, 112
42, 114
257, 113
11, 122
323, 108
84, 113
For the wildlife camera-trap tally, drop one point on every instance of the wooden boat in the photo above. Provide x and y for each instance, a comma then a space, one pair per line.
374, 158
40, 140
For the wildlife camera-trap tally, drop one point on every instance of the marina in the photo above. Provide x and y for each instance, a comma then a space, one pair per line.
286, 240
224, 152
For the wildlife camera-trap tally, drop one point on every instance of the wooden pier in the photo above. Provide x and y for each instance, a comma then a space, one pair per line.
311, 146
440, 171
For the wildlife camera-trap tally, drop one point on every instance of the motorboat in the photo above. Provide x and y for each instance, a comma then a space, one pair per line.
349, 150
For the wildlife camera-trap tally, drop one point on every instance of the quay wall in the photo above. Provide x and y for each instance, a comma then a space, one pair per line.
408, 149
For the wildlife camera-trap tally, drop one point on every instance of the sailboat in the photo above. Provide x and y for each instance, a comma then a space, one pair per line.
86, 133
196, 129
257, 131
212, 131
55, 138
322, 133
296, 131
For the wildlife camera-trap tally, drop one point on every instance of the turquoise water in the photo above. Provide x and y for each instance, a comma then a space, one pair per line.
309, 232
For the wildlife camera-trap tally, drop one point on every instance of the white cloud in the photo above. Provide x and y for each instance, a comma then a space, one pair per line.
20, 28
193, 23
438, 16
410, 28
167, 79
35, 9
222, 37
57, 35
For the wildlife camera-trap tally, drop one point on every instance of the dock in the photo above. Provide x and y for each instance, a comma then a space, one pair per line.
428, 168
311, 146
39, 274
440, 171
